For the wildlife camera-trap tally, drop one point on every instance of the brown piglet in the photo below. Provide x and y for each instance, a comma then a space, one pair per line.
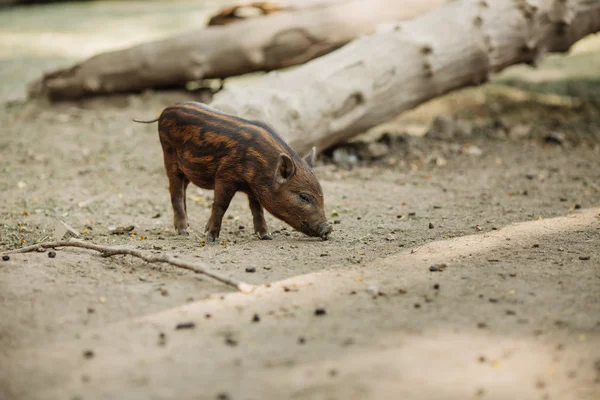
227, 154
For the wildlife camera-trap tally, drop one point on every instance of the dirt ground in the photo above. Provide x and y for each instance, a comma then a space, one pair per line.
510, 204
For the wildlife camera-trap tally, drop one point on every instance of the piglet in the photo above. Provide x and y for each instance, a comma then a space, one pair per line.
227, 154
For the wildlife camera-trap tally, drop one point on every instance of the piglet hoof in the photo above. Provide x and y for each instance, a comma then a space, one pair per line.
265, 236
183, 232
211, 239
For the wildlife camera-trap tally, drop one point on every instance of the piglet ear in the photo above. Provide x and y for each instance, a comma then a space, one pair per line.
311, 157
285, 168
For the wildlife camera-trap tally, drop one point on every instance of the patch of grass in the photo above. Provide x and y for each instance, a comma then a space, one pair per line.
587, 90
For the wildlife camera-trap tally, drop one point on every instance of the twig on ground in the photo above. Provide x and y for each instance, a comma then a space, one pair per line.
164, 258
413, 251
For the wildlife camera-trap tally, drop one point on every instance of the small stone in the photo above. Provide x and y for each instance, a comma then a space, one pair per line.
373, 290
185, 325
320, 311
376, 150
577, 206
519, 131
535, 246
51, 254
441, 161
88, 354
436, 286
62, 231
162, 339
417, 305
337, 221
223, 396
120, 230
554, 138
301, 340
474, 151
430, 225
256, 318
437, 267
5, 258
241, 227
540, 384
343, 156
251, 269
584, 258
481, 325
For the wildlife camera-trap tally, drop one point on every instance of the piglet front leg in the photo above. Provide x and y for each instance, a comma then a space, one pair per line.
258, 218
223, 194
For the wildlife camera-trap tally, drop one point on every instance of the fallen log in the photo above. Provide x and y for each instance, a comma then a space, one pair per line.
375, 78
245, 10
257, 44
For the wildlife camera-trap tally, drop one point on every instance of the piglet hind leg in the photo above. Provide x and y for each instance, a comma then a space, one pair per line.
177, 185
223, 194
258, 217
177, 190
186, 182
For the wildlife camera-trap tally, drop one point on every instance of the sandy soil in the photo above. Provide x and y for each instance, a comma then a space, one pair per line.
515, 314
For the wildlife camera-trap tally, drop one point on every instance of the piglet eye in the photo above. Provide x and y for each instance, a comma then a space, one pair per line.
304, 197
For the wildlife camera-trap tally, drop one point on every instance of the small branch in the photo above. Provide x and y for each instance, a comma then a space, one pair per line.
164, 258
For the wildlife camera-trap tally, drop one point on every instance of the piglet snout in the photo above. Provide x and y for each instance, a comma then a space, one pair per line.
325, 230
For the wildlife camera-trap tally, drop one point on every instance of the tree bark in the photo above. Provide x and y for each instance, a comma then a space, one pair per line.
9, 3
258, 44
242, 11
375, 78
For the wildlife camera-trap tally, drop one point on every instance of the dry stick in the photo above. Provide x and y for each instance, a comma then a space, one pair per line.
111, 251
